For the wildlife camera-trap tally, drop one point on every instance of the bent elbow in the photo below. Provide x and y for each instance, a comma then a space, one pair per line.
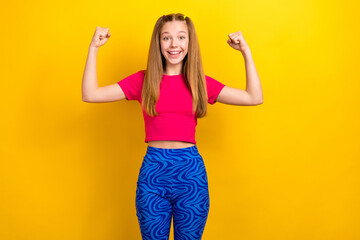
87, 97
84, 99
259, 102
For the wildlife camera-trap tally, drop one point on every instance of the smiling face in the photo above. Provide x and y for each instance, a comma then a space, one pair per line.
174, 38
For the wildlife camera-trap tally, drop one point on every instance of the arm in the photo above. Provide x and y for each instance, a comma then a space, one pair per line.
90, 90
89, 80
253, 84
253, 93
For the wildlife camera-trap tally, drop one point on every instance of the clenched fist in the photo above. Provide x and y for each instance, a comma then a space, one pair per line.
237, 41
100, 37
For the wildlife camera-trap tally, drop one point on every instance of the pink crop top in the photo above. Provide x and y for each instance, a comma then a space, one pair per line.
175, 120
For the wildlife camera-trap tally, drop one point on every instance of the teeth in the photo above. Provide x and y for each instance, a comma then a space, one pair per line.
174, 52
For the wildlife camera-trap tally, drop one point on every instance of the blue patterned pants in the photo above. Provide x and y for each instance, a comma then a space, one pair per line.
172, 183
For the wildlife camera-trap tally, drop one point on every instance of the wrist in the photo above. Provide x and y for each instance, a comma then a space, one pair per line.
93, 48
246, 52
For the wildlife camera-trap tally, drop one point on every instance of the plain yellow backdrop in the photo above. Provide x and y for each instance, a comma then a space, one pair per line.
284, 170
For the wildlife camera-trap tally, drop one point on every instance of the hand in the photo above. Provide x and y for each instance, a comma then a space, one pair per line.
100, 37
237, 41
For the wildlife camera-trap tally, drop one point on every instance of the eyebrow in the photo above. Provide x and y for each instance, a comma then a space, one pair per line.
179, 32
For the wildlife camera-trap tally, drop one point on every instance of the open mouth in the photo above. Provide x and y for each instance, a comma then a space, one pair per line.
174, 54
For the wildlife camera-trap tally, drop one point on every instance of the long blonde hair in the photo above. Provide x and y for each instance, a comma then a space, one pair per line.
192, 69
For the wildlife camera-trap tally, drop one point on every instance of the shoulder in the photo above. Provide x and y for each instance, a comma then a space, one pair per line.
139, 74
210, 81
137, 77
133, 80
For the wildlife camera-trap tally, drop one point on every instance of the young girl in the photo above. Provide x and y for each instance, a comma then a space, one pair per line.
173, 92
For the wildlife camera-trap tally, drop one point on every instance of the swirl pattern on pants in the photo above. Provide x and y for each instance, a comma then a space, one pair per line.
172, 183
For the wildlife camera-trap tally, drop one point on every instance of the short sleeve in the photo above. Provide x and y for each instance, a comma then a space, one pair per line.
214, 87
132, 85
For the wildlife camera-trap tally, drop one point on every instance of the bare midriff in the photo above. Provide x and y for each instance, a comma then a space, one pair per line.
170, 144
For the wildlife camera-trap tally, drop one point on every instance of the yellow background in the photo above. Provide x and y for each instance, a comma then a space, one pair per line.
287, 169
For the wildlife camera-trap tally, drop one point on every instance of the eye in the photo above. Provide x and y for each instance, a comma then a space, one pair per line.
182, 37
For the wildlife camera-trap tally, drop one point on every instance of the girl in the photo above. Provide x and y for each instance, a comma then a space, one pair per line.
173, 92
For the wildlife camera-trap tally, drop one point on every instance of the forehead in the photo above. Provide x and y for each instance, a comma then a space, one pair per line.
174, 27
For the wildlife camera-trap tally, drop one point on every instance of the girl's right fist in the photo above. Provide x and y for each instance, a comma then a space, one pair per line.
100, 37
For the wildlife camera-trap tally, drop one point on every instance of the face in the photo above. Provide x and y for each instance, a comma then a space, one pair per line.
174, 38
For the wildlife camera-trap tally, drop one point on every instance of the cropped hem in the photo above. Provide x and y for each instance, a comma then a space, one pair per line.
147, 139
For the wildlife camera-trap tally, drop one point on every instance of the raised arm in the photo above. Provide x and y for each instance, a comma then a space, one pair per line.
90, 90
253, 95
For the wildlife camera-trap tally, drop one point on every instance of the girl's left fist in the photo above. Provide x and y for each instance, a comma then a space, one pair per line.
236, 40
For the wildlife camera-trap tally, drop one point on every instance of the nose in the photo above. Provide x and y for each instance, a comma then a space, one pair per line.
174, 43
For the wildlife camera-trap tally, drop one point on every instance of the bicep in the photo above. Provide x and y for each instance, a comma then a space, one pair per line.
235, 96
109, 93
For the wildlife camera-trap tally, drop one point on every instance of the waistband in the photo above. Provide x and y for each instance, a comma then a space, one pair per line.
179, 153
